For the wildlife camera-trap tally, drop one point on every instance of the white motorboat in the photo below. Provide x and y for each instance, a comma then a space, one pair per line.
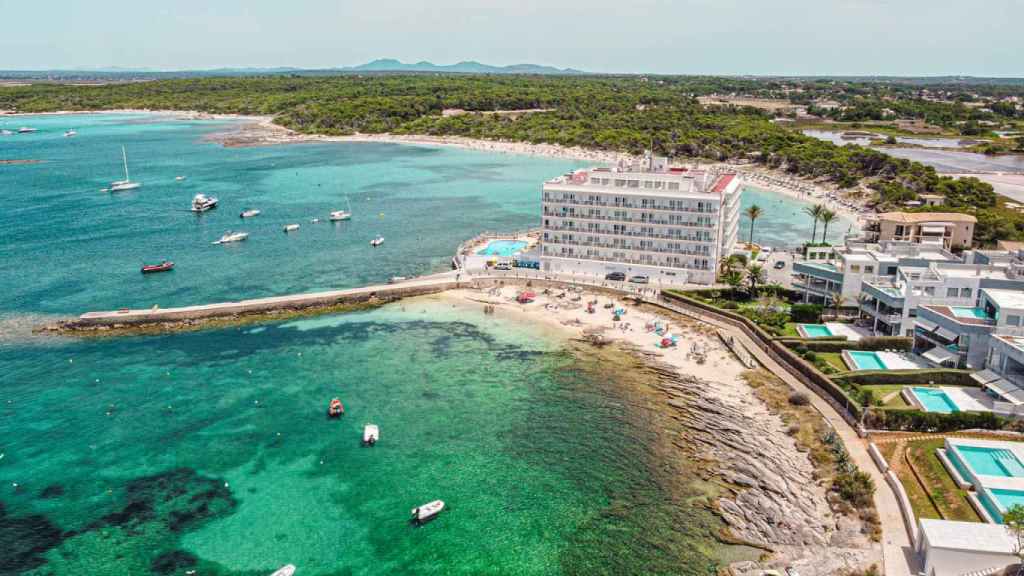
286, 570
6, 132
179, 178
427, 512
291, 227
371, 433
70, 133
339, 215
377, 241
314, 221
202, 203
126, 184
249, 213
230, 237
26, 130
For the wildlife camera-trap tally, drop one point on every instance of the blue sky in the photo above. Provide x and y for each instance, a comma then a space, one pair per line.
853, 37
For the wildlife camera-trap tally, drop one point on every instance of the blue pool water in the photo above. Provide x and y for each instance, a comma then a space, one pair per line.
504, 248
969, 312
935, 400
991, 461
1006, 499
815, 330
866, 360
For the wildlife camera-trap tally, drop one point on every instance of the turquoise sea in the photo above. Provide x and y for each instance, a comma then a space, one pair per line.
210, 453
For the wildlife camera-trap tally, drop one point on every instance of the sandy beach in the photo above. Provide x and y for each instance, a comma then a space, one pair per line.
784, 505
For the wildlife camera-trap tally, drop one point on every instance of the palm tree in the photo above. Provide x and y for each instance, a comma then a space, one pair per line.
815, 213
827, 216
734, 278
753, 212
838, 300
732, 262
755, 275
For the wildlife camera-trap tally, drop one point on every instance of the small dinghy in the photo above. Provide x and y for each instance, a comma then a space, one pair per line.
291, 227
249, 213
335, 409
377, 241
164, 266
427, 512
70, 133
371, 433
287, 570
231, 237
179, 178
340, 216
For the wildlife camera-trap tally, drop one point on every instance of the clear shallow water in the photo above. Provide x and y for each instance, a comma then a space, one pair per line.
211, 450
991, 461
783, 223
836, 138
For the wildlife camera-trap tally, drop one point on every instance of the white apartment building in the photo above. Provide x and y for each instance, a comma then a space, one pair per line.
669, 224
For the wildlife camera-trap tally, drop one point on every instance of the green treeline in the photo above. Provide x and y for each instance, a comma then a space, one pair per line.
626, 114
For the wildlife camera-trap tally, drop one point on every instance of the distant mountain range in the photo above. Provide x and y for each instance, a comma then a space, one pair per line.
382, 65
465, 67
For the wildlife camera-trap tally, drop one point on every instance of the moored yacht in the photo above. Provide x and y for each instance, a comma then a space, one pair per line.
202, 203
230, 237
26, 130
377, 241
126, 184
291, 227
70, 133
249, 213
339, 215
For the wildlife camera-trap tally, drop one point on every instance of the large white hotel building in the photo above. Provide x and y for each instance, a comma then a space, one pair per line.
669, 224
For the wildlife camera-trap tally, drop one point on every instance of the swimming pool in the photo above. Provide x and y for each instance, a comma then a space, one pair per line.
935, 400
865, 360
813, 330
999, 500
502, 248
991, 461
969, 312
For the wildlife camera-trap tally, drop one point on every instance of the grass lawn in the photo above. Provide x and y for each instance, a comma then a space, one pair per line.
882, 390
835, 359
789, 330
947, 496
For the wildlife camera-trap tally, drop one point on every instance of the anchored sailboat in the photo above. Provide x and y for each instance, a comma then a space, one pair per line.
126, 184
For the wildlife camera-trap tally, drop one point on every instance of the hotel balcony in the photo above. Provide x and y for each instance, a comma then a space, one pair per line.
630, 205
600, 218
584, 232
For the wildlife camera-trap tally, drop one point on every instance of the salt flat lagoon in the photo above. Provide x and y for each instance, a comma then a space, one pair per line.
210, 451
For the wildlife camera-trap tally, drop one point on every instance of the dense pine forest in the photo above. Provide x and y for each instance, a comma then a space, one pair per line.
626, 113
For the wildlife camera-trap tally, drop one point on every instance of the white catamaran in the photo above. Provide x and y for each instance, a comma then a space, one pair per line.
126, 184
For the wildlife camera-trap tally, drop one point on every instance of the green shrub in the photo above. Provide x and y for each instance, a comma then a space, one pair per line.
810, 356
729, 305
855, 487
840, 343
805, 313
944, 376
799, 399
911, 420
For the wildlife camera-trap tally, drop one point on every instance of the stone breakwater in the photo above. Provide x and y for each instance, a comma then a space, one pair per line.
770, 498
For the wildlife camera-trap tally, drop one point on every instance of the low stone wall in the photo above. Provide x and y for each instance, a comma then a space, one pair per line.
876, 455
909, 519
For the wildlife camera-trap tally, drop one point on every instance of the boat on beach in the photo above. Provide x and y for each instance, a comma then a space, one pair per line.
377, 241
230, 237
126, 184
427, 512
291, 227
249, 213
335, 409
286, 570
371, 433
202, 203
164, 266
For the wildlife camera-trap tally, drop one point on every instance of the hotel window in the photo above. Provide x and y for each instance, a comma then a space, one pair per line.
1013, 320
952, 292
965, 292
658, 184
673, 185
634, 183
619, 183
929, 291
869, 269
855, 268
648, 184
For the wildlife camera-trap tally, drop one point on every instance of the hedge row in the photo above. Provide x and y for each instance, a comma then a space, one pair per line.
811, 373
871, 343
918, 421
945, 376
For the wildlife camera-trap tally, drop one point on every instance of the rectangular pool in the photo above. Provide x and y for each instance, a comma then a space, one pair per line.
934, 400
999, 500
865, 360
991, 461
504, 248
969, 312
813, 330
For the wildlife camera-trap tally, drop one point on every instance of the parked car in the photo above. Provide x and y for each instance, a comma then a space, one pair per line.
616, 276
503, 266
639, 279
780, 264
